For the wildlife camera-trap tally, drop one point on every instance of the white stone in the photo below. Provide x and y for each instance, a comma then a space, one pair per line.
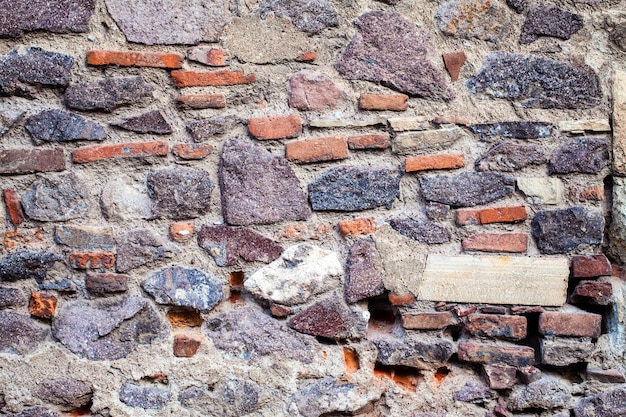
8, 117
401, 124
123, 199
425, 140
619, 122
585, 125
542, 190
331, 122
617, 232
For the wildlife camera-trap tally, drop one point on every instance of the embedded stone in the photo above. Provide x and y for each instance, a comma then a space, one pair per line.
311, 16
603, 404
542, 190
352, 188
149, 398
558, 351
388, 49
230, 398
409, 143
11, 297
546, 19
8, 117
592, 292
496, 353
545, 394
474, 393
586, 155
84, 237
362, 279
56, 197
453, 62
107, 94
204, 129
59, 16
123, 199
500, 376
106, 283
572, 322
24, 264
67, 393
139, 247
19, 334
481, 19
423, 353
227, 244
518, 5
617, 232
591, 266
330, 318
611, 376
179, 192
536, 81
62, 126
149, 122
258, 187
560, 231
426, 321
424, 231
517, 130
510, 156
312, 90
466, 189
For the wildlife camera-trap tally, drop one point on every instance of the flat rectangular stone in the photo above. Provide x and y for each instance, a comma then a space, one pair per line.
619, 122
327, 122
84, 237
585, 125
493, 353
27, 161
402, 124
424, 140
495, 280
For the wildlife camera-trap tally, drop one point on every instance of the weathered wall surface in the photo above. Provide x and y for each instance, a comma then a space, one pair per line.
312, 208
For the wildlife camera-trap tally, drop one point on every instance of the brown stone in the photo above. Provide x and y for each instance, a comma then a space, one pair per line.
426, 321
496, 325
26, 161
392, 102
499, 376
372, 141
564, 323
106, 283
275, 127
590, 266
453, 62
496, 242
185, 346
592, 292
201, 101
42, 305
494, 353
401, 299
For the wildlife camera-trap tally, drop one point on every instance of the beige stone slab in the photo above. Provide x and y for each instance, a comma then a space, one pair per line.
495, 280
329, 122
619, 122
542, 190
423, 140
402, 124
585, 125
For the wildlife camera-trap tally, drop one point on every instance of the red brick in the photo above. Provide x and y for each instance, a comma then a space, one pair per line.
455, 120
462, 311
275, 127
372, 141
592, 194
427, 162
592, 292
500, 376
120, 150
201, 101
509, 214
216, 57
185, 346
426, 321
360, 226
105, 260
401, 299
184, 78
27, 161
524, 310
453, 62
393, 102
590, 266
570, 324
316, 150
492, 353
135, 59
496, 242
192, 150
307, 57
14, 209
106, 283
42, 305
499, 326
181, 231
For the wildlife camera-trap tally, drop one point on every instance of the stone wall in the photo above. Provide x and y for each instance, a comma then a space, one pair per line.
312, 208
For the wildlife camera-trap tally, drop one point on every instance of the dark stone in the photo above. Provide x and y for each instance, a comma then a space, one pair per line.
536, 81
204, 129
107, 330
467, 189
545, 394
247, 333
351, 188
19, 334
56, 197
65, 392
587, 155
618, 36
150, 398
518, 5
11, 297
363, 279
24, 68
546, 19
422, 353
63, 284
37, 412
330, 318
106, 283
150, 122
387, 49
517, 130
308, 16
592, 292
184, 287
560, 231
60, 16
139, 247
180, 192
107, 94
608, 403
62, 126
258, 187
474, 393
226, 244
424, 231
24, 265
510, 156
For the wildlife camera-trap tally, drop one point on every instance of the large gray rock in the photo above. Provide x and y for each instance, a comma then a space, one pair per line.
482, 19
107, 94
180, 192
363, 280
60, 16
149, 122
228, 398
608, 403
331, 318
466, 189
309, 16
68, 393
546, 19
422, 353
139, 247
510, 156
205, 129
587, 155
56, 197
559, 231
24, 264
124, 199
387, 49
562, 351
150, 398
19, 334
422, 230
545, 394
62, 126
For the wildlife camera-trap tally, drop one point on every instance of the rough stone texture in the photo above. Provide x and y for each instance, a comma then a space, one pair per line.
8, 117
107, 94
363, 280
179, 192
11, 297
203, 130
123, 199
560, 231
617, 232
109, 329
37, 411
482, 19
149, 122
84, 237
606, 403
24, 264
62, 126
618, 89
494, 353
422, 353
312, 90
592, 292
169, 22
518, 5
474, 393
299, 273
19, 334
500, 376
565, 351
422, 230
572, 322
510, 156
537, 82
139, 247
591, 266
496, 325
227, 244
351, 188
330, 318
587, 155
29, 160
56, 197
257, 187
106, 283
150, 398
546, 19
387, 49
310, 16
230, 397
517, 130
409, 143
546, 394
542, 190
65, 392
60, 16
466, 189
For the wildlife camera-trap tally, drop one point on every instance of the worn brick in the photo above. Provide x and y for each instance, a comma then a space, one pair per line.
493, 353
592, 292
509, 214
275, 127
317, 150
84, 237
122, 150
590, 266
181, 231
312, 90
106, 283
500, 376
92, 260
427, 321
371, 141
184, 78
42, 305
358, 226
26, 161
135, 59
208, 55
496, 325
496, 242
428, 162
611, 376
453, 62
561, 323
192, 150
14, 209
382, 102
401, 299
186, 345
201, 101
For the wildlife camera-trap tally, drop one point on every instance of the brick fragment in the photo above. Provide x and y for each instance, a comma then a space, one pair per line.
496, 242
104, 260
496, 325
192, 150
42, 305
592, 292
317, 150
275, 127
529, 374
25, 237
493, 310
181, 231
184, 78
524, 310
610, 376
570, 324
401, 299
201, 101
14, 209
184, 318
106, 283
307, 57
490, 353
510, 214
427, 321
121, 150
186, 345
135, 59
453, 62
279, 311
372, 141
428, 162
27, 161
591, 194
359, 226
499, 376
590, 266
464, 311
393, 102
208, 55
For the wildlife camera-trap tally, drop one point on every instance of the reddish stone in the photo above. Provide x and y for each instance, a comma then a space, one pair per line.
181, 231
401, 299
201, 101
373, 141
426, 321
183, 78
330, 318
312, 90
495, 325
590, 266
135, 59
592, 292
529, 374
499, 376
275, 127
192, 150
27, 161
522, 310
430, 162
490, 353
496, 242
592, 194
453, 62
121, 150
184, 318
92, 260
105, 283
362, 279
382, 102
42, 305
360, 226
216, 57
14, 209
307, 57
491, 215
564, 323
317, 150
493, 310
279, 311
609, 376
464, 311
185, 346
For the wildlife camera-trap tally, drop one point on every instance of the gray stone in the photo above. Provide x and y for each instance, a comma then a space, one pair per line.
65, 392
518, 5
422, 141
618, 36
19, 334
258, 187
247, 333
180, 192
60, 16
545, 394
170, 22
308, 16
608, 403
560, 231
8, 117
150, 398
139, 247
510, 156
56, 197
474, 393
387, 49
11, 297
184, 287
312, 90
353, 188
62, 284
37, 411
518, 130
107, 94
62, 126
204, 129
228, 398
84, 237
587, 155
546, 19
482, 19
331, 318
24, 264
226, 244
423, 353
363, 280
617, 232
22, 69
536, 81
557, 351
424, 231
466, 189
149, 122
123, 199
109, 329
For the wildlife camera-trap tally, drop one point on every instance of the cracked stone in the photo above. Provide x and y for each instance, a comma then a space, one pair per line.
139, 247
180, 193
62, 126
57, 197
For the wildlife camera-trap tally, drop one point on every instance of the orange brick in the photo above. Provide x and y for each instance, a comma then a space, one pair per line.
215, 57
181, 231
393, 102
14, 209
184, 318
360, 226
184, 78
316, 150
510, 214
185, 345
192, 150
42, 305
15, 238
372, 141
401, 299
121, 150
592, 194
104, 260
426, 321
201, 101
135, 59
307, 57
426, 162
275, 127
453, 62
351, 359
497, 242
